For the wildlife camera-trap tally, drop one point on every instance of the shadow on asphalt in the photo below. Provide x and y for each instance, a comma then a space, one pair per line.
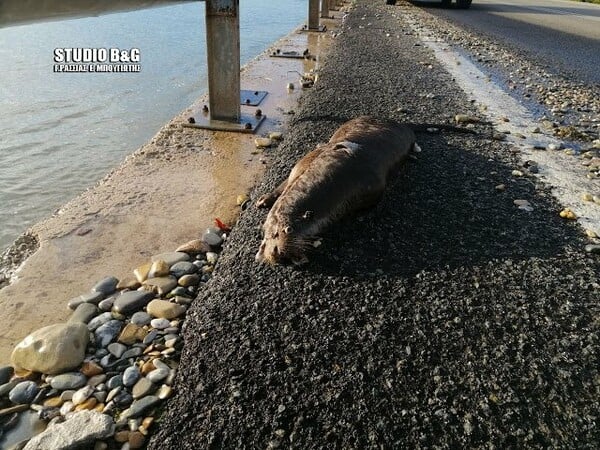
443, 211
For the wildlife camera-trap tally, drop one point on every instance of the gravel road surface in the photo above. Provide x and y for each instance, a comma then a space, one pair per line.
445, 317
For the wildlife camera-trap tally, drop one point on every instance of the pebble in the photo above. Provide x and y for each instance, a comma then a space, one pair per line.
66, 381
161, 285
122, 436
106, 286
131, 334
212, 238
568, 214
87, 404
192, 247
554, 146
189, 280
90, 297
212, 257
242, 199
465, 118
178, 291
158, 375
138, 407
131, 375
593, 248
131, 301
184, 268
183, 300
141, 273
6, 373
171, 257
114, 382
159, 268
97, 380
136, 440
276, 135
164, 309
66, 396
144, 386
100, 320
262, 142
591, 233
141, 318
107, 303
150, 337
106, 333
500, 187
133, 352
160, 324
82, 395
116, 349
53, 402
517, 173
23, 392
66, 408
84, 313
587, 197
164, 392
128, 283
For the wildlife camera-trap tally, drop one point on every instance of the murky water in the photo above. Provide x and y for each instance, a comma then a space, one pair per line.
62, 132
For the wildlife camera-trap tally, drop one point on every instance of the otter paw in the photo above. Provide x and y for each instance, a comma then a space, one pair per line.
264, 201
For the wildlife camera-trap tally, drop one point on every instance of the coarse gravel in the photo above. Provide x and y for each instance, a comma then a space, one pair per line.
445, 317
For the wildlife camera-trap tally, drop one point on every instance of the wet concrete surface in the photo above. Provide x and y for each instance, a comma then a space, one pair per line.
445, 317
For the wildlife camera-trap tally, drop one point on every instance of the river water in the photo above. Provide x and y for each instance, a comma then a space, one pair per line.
62, 132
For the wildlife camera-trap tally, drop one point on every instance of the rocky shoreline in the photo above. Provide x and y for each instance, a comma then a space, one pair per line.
99, 379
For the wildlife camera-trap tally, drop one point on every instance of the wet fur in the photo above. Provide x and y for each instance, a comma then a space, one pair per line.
348, 174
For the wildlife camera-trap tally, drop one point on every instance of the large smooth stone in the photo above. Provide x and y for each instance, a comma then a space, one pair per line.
52, 349
79, 429
165, 309
131, 301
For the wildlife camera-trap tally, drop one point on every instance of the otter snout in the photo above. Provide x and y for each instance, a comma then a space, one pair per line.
268, 252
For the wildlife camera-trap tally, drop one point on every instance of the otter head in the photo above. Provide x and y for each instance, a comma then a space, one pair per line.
283, 243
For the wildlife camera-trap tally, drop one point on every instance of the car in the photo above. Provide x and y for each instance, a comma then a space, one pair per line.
461, 4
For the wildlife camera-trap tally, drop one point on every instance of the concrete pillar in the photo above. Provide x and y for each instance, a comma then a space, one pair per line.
313, 14
223, 51
325, 9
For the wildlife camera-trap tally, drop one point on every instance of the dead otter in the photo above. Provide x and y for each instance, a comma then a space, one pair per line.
346, 175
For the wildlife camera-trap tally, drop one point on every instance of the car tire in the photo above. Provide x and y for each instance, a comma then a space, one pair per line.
446, 3
463, 4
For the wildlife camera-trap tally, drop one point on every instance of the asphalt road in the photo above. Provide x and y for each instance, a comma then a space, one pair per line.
446, 317
561, 34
